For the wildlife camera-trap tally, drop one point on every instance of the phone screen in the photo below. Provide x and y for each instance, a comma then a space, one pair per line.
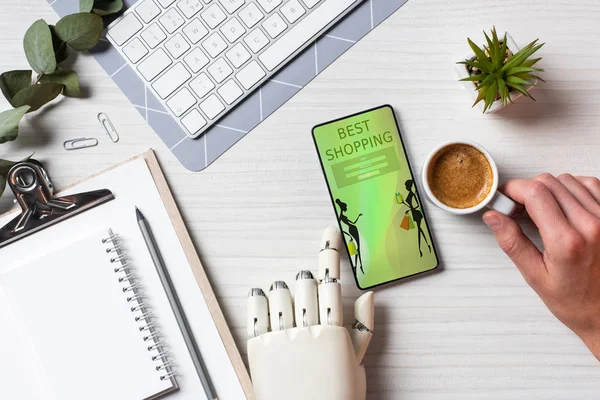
375, 197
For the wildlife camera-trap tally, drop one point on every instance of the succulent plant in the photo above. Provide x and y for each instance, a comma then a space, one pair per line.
496, 71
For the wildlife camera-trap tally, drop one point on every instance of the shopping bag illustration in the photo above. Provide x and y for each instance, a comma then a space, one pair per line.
406, 222
352, 248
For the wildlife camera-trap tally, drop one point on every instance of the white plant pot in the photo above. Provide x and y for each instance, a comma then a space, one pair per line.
463, 72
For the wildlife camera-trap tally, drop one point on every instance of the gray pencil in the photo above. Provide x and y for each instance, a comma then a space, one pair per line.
182, 321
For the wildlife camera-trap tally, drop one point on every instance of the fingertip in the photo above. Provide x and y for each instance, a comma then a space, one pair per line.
494, 219
364, 310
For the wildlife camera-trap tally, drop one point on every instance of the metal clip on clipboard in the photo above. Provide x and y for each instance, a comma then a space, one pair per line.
34, 191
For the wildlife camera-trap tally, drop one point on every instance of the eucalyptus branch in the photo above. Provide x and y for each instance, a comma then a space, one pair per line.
46, 47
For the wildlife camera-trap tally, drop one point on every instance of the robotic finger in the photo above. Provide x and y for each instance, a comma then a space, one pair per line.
362, 329
305, 300
280, 307
330, 290
257, 313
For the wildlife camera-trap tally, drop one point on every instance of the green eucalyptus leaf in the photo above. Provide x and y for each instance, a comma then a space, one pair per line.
85, 6
5, 166
9, 123
13, 81
80, 31
66, 77
38, 48
107, 7
37, 95
61, 50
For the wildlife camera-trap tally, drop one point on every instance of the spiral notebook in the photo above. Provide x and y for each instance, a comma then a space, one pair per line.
100, 330
67, 329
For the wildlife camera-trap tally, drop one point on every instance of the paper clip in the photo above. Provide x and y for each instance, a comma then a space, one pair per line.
80, 143
108, 127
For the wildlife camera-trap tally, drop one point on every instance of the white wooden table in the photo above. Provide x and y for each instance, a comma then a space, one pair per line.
475, 330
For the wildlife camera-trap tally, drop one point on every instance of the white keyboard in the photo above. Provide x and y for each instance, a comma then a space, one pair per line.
202, 57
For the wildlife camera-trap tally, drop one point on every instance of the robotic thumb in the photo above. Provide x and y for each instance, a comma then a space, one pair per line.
362, 329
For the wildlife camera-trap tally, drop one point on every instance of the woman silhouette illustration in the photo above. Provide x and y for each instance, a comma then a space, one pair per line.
413, 207
352, 231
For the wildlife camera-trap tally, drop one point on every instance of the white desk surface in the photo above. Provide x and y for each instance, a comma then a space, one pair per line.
474, 330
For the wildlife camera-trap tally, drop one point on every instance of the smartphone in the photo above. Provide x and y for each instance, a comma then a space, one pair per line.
375, 197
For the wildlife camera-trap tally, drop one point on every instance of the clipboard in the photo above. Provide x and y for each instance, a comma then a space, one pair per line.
192, 257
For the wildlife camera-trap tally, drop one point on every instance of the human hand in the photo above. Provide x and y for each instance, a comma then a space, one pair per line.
311, 361
566, 275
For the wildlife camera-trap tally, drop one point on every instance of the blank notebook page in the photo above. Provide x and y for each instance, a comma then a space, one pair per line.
73, 308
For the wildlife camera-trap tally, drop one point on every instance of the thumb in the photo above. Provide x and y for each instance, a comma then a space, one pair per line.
362, 330
516, 245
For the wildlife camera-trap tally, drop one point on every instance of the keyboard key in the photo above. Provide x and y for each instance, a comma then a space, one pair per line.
230, 91
154, 64
274, 25
256, 40
238, 55
153, 36
181, 102
171, 80
212, 106
177, 45
231, 5
214, 45
251, 15
310, 3
171, 20
303, 32
202, 85
292, 11
195, 31
135, 50
196, 60
123, 30
250, 75
213, 16
220, 70
232, 30
193, 122
269, 5
165, 3
147, 10
189, 8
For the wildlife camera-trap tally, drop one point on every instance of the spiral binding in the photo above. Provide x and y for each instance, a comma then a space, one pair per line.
139, 305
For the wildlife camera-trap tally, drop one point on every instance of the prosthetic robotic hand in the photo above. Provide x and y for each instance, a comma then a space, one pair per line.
318, 359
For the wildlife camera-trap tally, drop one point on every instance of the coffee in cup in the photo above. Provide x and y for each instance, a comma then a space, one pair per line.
462, 178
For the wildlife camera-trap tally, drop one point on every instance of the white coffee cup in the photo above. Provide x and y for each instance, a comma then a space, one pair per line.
494, 200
